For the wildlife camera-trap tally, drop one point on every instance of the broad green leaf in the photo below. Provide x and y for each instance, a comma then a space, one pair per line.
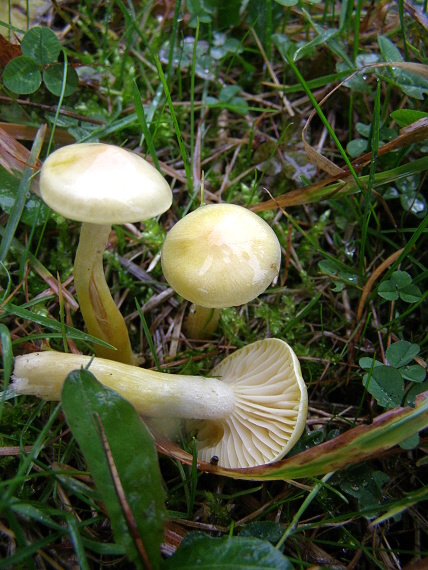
413, 85
364, 484
200, 10
238, 105
366, 363
386, 385
410, 83
400, 279
224, 45
363, 129
401, 353
415, 203
388, 49
350, 278
414, 373
410, 294
400, 285
356, 147
356, 82
264, 530
387, 290
53, 77
122, 458
41, 44
411, 442
405, 117
22, 75
328, 266
226, 553
413, 393
228, 92
409, 184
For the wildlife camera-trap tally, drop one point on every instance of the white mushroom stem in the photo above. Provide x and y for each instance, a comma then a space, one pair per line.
153, 394
100, 313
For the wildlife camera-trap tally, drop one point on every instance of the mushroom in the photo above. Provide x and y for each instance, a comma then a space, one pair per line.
101, 185
250, 411
220, 255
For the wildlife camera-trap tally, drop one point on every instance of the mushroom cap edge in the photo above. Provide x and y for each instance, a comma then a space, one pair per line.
103, 184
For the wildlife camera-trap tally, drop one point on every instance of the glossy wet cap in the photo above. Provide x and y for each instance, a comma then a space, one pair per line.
103, 184
221, 255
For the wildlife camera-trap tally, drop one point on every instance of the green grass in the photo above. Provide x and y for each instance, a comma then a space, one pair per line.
190, 89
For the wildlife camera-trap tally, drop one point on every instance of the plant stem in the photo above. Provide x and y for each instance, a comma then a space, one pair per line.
100, 313
153, 394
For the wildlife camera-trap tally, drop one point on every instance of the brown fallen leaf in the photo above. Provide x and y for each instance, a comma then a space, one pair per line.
14, 158
8, 51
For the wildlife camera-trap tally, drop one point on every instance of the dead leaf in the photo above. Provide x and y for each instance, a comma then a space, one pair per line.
8, 51
14, 158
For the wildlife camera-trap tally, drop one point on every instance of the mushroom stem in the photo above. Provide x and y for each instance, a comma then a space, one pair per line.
201, 322
153, 394
100, 313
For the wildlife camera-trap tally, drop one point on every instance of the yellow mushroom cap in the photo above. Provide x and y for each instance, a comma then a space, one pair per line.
103, 184
221, 255
271, 406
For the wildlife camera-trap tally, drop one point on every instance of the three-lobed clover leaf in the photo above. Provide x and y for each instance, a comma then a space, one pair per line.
344, 277
40, 50
400, 286
385, 382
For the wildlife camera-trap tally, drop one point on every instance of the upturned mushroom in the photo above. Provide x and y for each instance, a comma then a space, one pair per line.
250, 411
101, 185
220, 255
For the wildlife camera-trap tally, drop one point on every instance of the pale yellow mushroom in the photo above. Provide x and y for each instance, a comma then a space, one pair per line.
220, 255
250, 411
101, 185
